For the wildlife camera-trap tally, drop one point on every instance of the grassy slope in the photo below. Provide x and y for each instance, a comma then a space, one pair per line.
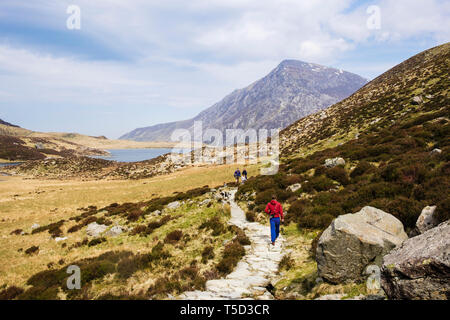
23, 203
390, 166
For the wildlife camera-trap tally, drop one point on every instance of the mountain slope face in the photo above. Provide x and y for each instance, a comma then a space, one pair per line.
418, 85
294, 89
7, 124
399, 163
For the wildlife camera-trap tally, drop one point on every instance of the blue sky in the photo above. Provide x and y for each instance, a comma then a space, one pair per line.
137, 63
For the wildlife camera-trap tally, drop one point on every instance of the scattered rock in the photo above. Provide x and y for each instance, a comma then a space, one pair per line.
354, 241
417, 100
435, 151
427, 220
420, 268
114, 231
294, 187
173, 205
337, 296
156, 213
329, 163
206, 201
94, 229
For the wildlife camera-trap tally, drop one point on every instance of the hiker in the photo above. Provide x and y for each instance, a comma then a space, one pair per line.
275, 211
237, 175
244, 175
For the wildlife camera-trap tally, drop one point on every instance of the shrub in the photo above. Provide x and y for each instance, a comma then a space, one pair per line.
338, 174
250, 216
286, 262
232, 253
207, 253
215, 225
96, 241
173, 237
10, 293
443, 210
32, 250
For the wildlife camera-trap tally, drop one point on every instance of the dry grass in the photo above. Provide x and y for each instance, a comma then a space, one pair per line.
25, 202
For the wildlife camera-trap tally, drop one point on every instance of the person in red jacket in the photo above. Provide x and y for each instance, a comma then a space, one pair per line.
275, 211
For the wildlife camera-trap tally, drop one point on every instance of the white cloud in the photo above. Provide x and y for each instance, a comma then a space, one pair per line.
190, 54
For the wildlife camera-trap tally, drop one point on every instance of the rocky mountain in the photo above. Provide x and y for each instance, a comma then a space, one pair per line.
294, 89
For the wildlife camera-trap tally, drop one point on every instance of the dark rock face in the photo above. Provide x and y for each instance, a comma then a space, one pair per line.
291, 91
8, 124
420, 268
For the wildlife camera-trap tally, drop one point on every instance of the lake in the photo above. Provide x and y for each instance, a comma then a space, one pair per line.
9, 164
133, 155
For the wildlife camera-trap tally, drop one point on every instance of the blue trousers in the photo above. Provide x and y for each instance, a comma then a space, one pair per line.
274, 228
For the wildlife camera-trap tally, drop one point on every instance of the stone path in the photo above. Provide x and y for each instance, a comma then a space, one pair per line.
254, 272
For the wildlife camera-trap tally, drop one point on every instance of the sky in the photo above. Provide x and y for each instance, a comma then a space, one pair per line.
136, 63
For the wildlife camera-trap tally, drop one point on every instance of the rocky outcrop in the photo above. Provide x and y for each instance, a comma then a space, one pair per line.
94, 229
329, 163
427, 219
294, 187
420, 268
354, 241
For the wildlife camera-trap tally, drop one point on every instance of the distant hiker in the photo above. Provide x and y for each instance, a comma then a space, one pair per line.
244, 174
275, 211
237, 175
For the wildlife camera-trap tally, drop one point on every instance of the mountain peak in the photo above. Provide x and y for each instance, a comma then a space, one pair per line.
292, 90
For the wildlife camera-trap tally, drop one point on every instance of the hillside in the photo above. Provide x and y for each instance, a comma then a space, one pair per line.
19, 144
418, 85
7, 123
294, 89
399, 162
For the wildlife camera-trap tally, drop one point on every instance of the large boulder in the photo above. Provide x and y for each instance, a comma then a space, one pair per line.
420, 268
354, 241
427, 219
94, 229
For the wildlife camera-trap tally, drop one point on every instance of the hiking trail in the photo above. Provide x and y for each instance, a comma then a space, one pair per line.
254, 272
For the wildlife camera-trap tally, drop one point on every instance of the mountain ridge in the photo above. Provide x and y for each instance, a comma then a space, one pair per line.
290, 91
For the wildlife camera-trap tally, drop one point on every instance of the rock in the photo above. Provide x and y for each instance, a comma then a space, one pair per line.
57, 239
294, 187
417, 100
173, 205
114, 231
337, 296
206, 201
435, 151
156, 213
354, 241
94, 229
329, 163
427, 220
35, 226
420, 268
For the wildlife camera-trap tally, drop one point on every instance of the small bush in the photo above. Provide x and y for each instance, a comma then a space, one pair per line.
207, 253
96, 241
215, 225
10, 293
286, 262
250, 216
32, 250
174, 236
